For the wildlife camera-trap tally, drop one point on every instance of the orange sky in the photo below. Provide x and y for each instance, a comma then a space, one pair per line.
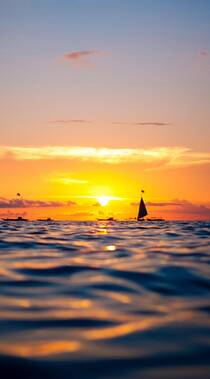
69, 182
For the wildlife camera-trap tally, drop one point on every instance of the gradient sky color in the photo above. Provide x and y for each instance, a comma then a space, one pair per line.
126, 78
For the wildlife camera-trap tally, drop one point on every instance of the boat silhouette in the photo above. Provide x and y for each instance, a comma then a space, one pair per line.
45, 219
142, 212
106, 219
15, 219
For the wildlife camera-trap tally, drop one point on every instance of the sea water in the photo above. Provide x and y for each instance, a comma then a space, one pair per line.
105, 300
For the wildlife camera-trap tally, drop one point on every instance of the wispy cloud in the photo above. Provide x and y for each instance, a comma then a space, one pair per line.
152, 123
70, 203
160, 204
204, 54
68, 180
153, 158
187, 207
21, 203
70, 121
82, 57
164, 204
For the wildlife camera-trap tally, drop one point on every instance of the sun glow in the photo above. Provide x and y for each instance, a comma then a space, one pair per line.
103, 200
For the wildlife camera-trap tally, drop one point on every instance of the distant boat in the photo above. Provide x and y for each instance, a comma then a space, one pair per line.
143, 212
106, 219
15, 219
45, 219
155, 219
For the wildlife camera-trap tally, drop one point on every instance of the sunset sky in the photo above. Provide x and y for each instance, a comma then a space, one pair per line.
100, 99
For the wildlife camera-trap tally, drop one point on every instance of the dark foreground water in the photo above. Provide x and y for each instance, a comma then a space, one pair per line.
105, 300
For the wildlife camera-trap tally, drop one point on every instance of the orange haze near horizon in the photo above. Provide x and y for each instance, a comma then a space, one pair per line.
71, 188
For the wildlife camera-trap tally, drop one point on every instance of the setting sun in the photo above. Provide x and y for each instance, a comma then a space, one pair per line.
103, 200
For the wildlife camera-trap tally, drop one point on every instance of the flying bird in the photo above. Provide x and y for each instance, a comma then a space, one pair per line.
18, 194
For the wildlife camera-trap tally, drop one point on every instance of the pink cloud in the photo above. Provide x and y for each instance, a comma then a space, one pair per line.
159, 204
193, 209
82, 57
71, 203
152, 123
71, 121
204, 54
21, 203
164, 204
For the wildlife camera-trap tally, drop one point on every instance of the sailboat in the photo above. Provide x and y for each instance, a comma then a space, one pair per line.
142, 209
143, 212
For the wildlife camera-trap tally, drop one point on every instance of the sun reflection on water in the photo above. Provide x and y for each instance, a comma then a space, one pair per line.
39, 349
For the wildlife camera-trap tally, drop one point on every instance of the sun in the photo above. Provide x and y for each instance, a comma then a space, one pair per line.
103, 200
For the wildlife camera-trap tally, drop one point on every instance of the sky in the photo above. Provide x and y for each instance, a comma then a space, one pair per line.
100, 99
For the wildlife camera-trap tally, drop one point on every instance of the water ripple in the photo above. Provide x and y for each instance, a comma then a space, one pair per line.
105, 300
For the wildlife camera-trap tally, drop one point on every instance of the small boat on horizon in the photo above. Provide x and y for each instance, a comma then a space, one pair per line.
45, 219
106, 219
15, 219
142, 213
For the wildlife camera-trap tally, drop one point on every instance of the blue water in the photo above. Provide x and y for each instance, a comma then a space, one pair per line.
105, 300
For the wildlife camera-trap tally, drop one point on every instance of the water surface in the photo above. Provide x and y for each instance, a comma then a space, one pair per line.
105, 300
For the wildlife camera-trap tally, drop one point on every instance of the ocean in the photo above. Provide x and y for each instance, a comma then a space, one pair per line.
105, 300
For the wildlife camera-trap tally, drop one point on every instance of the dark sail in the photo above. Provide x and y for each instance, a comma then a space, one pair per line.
142, 210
